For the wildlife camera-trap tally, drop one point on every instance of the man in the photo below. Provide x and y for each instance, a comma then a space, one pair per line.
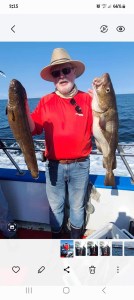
65, 115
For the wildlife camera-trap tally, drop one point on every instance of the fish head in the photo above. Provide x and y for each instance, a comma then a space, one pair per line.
104, 95
17, 93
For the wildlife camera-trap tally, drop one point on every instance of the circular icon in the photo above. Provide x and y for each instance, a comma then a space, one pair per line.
120, 28
104, 28
66, 290
12, 227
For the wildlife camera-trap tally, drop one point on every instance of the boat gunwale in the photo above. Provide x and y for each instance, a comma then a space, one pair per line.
122, 182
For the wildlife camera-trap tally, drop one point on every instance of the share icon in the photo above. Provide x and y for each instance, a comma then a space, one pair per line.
66, 269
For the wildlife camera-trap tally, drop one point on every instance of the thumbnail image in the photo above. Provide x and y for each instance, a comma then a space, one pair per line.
80, 248
105, 248
66, 248
129, 248
92, 248
117, 248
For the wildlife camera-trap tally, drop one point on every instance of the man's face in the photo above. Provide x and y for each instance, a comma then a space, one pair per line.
64, 80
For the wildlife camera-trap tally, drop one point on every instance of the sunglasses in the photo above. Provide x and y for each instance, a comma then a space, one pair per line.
64, 71
77, 107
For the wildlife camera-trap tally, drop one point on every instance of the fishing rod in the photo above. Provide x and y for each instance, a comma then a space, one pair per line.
3, 147
2, 74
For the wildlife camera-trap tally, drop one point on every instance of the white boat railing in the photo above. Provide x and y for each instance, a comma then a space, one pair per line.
120, 153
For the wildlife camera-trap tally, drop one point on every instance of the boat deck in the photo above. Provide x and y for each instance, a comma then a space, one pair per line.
23, 233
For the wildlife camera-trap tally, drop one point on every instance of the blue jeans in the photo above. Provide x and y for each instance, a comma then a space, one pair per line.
76, 175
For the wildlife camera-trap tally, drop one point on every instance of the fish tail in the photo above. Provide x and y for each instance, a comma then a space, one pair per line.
109, 179
35, 174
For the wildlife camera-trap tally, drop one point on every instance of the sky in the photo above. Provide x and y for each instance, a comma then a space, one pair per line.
24, 61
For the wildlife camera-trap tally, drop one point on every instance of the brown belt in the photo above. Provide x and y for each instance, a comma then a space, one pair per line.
70, 161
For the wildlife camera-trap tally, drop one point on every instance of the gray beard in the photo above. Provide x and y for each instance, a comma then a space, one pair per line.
71, 94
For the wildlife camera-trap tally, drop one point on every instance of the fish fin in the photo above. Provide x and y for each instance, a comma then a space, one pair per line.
98, 145
102, 122
105, 163
109, 179
13, 115
95, 195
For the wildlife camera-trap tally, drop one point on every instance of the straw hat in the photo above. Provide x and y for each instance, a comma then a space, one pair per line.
60, 56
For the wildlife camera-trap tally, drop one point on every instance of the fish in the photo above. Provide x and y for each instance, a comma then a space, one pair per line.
18, 121
105, 124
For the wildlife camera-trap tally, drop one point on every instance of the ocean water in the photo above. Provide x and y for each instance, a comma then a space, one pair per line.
125, 105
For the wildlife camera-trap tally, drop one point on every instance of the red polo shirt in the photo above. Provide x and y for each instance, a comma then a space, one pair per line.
67, 133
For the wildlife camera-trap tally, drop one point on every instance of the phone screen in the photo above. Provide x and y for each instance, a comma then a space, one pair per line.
66, 149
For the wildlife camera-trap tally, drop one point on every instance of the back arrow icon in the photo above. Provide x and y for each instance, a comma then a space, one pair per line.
104, 290
12, 28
